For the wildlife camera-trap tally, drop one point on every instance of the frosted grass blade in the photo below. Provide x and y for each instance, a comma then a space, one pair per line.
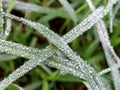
69, 9
61, 64
71, 68
27, 66
7, 28
78, 30
110, 57
24, 51
104, 38
75, 32
108, 69
1, 18
111, 20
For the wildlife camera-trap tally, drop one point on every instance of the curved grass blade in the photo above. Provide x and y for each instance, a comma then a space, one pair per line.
111, 56
27, 66
69, 9
108, 69
7, 28
11, 6
1, 18
14, 87
75, 32
61, 63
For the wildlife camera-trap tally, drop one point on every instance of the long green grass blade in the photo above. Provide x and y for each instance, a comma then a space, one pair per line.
1, 18
69, 9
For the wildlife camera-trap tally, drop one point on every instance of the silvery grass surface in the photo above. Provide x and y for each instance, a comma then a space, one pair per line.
73, 64
111, 56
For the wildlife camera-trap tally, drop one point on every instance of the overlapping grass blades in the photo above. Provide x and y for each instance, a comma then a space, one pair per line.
74, 65
1, 18
35, 8
59, 43
108, 49
69, 9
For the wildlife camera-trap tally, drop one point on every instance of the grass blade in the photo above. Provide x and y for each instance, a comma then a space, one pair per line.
69, 9
111, 56
1, 18
26, 67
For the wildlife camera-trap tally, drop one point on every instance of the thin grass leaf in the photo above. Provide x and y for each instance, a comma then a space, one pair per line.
1, 18
33, 86
108, 69
111, 20
47, 18
11, 6
6, 57
116, 8
110, 5
14, 87
111, 56
75, 32
8, 21
45, 85
20, 88
2, 36
91, 49
69, 9
7, 28
44, 67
